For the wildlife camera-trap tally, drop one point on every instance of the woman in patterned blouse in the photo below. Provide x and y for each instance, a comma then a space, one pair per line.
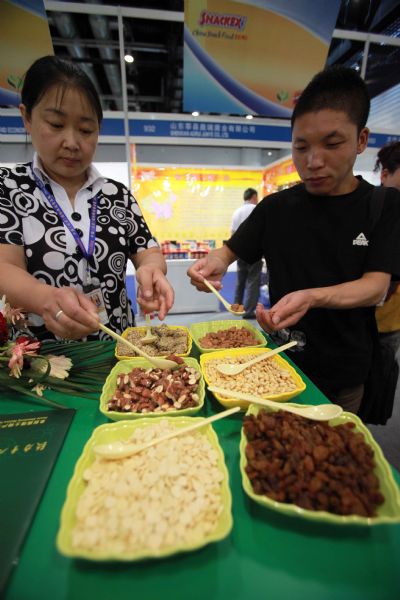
66, 231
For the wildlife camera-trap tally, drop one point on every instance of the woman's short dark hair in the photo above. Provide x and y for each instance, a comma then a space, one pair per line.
336, 88
50, 71
388, 157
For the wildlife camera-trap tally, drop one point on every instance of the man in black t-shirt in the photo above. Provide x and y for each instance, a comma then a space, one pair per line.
329, 264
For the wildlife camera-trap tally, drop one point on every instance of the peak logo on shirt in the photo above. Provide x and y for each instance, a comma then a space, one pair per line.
360, 240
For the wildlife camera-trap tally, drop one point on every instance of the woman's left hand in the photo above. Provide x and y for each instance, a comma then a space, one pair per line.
155, 293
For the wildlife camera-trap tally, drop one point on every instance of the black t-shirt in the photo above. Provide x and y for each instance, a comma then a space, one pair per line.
316, 241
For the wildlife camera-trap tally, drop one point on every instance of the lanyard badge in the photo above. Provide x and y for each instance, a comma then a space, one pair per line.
95, 295
90, 289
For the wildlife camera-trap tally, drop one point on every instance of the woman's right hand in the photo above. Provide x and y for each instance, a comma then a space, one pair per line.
78, 318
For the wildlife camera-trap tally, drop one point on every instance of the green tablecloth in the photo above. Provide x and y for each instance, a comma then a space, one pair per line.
266, 556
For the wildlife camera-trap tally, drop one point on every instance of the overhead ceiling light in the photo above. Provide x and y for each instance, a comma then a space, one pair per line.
195, 113
249, 117
129, 58
269, 153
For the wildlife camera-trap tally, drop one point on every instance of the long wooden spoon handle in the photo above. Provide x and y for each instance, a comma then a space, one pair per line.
148, 322
119, 338
177, 432
241, 396
271, 353
216, 292
183, 430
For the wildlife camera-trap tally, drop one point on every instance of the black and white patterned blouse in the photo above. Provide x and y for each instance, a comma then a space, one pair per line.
51, 253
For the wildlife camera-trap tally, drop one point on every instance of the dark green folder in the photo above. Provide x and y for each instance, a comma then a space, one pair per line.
29, 446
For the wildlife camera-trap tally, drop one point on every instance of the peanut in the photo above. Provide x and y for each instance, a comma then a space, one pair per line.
265, 377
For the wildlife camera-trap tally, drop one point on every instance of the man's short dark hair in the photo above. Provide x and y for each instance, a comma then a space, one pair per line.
388, 157
249, 193
336, 88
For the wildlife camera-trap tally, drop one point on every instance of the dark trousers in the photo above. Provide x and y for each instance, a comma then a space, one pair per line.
248, 279
348, 398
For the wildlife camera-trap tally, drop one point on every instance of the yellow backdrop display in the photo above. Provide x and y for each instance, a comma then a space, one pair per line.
25, 36
280, 176
192, 203
253, 56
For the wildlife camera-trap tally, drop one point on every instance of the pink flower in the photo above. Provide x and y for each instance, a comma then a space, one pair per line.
31, 342
16, 362
12, 315
29, 345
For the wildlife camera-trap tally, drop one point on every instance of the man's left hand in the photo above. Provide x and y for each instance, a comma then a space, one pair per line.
287, 312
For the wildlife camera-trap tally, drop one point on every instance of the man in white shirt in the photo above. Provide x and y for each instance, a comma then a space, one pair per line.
248, 275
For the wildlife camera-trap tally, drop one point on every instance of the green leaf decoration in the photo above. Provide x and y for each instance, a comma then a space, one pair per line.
91, 363
15, 81
282, 95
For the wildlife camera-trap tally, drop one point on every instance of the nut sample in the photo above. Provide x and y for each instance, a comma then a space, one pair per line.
237, 307
234, 337
155, 390
169, 341
266, 377
313, 465
166, 496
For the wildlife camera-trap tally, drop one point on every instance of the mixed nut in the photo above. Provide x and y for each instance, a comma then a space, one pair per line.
237, 307
169, 341
156, 390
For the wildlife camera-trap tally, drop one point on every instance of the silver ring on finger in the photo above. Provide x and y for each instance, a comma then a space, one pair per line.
58, 314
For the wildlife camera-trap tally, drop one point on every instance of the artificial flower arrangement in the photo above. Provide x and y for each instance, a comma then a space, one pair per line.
29, 366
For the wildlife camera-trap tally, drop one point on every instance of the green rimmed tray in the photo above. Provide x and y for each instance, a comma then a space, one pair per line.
121, 431
198, 330
125, 366
388, 512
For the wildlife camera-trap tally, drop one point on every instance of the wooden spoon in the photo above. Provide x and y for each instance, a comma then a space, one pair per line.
114, 450
321, 412
159, 363
229, 369
224, 302
149, 338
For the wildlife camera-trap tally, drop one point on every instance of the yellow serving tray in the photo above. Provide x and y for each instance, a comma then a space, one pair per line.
229, 402
388, 512
111, 432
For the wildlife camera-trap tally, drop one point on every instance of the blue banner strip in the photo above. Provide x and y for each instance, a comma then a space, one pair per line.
215, 130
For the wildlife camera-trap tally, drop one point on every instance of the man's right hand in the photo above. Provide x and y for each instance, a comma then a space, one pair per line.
212, 267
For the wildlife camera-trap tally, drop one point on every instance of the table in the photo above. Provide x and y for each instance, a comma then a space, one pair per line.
266, 556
